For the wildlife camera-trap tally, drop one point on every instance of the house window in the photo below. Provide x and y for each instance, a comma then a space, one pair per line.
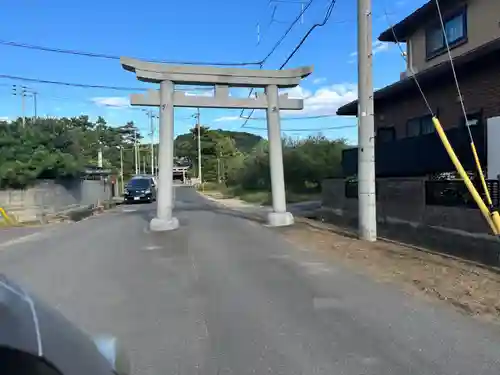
386, 134
413, 127
456, 33
426, 125
419, 126
435, 41
455, 28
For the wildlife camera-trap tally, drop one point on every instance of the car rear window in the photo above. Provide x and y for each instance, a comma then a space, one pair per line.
139, 182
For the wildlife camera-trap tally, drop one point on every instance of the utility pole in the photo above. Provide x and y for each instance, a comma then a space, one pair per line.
23, 94
34, 104
152, 155
151, 117
121, 168
218, 169
197, 115
21, 91
99, 155
366, 127
136, 154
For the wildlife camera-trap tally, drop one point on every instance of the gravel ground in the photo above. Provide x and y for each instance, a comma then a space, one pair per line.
471, 289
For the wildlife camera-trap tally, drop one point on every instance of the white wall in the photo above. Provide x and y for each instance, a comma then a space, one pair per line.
493, 137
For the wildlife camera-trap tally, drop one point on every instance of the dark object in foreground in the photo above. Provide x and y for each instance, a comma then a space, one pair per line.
37, 340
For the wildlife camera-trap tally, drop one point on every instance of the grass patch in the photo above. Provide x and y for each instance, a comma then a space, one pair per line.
261, 197
257, 197
292, 197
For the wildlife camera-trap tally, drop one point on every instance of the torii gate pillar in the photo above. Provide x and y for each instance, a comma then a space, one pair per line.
279, 216
222, 78
164, 219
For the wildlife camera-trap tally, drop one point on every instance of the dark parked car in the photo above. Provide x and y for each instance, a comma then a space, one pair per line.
140, 189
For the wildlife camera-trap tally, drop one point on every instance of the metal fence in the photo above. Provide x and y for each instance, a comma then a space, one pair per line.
351, 189
454, 193
449, 193
406, 158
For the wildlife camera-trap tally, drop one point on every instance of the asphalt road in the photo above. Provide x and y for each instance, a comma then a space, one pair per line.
225, 295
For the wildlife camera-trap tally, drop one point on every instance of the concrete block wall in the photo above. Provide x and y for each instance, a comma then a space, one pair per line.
403, 215
403, 200
49, 196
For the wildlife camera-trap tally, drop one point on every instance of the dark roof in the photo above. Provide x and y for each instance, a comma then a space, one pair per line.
414, 21
91, 170
427, 76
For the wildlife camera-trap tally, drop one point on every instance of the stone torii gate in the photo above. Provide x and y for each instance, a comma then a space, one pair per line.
222, 79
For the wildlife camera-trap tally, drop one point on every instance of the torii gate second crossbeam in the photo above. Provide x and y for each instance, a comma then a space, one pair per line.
222, 78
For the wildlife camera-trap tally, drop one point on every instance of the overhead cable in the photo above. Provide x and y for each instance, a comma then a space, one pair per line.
304, 38
307, 129
116, 57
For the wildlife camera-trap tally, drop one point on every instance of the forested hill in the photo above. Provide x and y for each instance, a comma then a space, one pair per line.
243, 141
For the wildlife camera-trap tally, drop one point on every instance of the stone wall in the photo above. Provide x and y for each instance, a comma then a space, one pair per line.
49, 196
403, 215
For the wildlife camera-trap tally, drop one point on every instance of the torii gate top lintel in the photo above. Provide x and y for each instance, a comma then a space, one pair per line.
208, 75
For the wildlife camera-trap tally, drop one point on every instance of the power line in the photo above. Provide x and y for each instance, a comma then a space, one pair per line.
304, 38
274, 5
287, 1
121, 88
307, 129
116, 57
113, 57
294, 118
92, 86
325, 20
71, 84
276, 45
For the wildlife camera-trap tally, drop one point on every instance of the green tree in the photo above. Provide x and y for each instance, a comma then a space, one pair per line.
60, 147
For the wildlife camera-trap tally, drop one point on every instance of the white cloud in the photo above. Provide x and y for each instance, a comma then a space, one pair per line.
112, 101
323, 101
377, 47
227, 118
319, 80
207, 93
4, 118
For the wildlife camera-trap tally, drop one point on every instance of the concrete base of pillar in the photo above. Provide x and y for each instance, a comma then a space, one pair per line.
279, 219
163, 225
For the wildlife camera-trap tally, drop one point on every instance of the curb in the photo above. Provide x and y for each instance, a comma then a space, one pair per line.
320, 225
79, 213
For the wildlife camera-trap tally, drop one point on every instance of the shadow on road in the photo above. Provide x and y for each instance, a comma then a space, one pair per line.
147, 212
252, 216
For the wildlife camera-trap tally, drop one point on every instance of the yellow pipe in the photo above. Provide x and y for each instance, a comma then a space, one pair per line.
468, 183
481, 174
5, 216
495, 217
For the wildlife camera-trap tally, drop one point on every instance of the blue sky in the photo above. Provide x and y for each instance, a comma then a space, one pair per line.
201, 30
